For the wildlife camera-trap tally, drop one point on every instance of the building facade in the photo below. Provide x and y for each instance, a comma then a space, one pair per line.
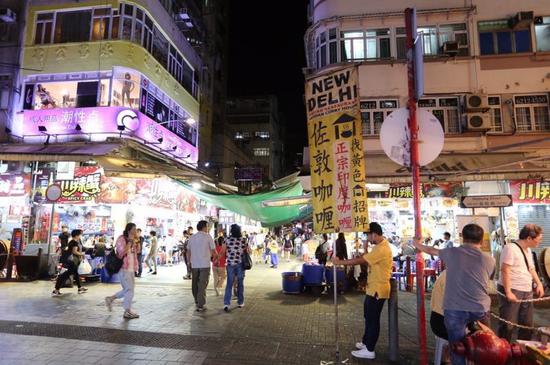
12, 25
255, 124
105, 120
486, 79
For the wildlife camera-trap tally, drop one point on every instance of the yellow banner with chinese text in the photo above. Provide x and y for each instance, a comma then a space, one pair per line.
336, 152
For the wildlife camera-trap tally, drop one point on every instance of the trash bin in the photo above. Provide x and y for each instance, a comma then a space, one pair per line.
292, 282
341, 281
313, 274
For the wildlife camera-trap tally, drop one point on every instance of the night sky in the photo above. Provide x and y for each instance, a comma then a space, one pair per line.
266, 56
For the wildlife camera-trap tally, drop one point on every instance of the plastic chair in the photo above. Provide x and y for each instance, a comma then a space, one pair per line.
439, 344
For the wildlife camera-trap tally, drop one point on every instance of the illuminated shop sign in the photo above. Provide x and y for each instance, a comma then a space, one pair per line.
530, 191
14, 185
101, 122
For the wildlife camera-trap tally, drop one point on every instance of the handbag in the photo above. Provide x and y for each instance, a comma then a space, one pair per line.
84, 268
247, 261
113, 263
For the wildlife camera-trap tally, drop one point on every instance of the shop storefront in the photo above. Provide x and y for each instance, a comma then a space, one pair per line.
53, 195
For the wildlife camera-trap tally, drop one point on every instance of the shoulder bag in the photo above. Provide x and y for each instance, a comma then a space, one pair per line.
247, 260
526, 263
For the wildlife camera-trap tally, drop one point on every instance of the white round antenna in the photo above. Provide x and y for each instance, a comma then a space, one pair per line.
394, 137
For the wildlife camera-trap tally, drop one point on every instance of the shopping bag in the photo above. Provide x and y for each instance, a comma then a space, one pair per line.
84, 268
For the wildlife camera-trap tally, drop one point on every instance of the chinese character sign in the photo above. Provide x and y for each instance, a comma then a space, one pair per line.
85, 185
336, 153
530, 191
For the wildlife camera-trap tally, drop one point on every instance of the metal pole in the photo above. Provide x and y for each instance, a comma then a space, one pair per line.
335, 292
501, 214
393, 323
410, 22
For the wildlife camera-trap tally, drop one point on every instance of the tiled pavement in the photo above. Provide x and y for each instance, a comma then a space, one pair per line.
273, 328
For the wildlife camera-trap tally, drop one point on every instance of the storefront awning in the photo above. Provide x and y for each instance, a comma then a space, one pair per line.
460, 167
251, 205
55, 152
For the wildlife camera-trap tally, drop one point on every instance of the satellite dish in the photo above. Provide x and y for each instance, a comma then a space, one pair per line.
545, 265
394, 137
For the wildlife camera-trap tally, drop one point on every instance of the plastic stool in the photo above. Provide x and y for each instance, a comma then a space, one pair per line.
439, 343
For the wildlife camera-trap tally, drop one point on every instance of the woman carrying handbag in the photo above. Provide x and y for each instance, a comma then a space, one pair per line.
126, 250
236, 246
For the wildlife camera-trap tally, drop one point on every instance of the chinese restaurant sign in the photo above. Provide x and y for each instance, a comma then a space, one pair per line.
429, 190
15, 185
530, 191
336, 153
85, 185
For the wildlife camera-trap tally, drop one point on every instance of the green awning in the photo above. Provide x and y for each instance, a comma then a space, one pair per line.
251, 206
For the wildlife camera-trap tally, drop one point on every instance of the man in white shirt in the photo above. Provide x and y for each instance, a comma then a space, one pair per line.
517, 275
200, 250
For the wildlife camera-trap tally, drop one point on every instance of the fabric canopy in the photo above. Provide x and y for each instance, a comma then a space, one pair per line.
251, 205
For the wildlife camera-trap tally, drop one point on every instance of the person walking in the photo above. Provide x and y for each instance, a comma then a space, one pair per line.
235, 245
126, 250
186, 235
273, 252
379, 261
518, 276
200, 250
153, 251
219, 264
321, 252
341, 248
469, 271
139, 249
71, 258
287, 247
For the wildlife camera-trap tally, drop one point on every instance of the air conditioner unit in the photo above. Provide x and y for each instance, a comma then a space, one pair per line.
478, 121
522, 19
7, 15
450, 48
476, 102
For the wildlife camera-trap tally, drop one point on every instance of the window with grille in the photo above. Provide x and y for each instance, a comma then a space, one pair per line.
446, 110
373, 113
496, 114
531, 113
261, 152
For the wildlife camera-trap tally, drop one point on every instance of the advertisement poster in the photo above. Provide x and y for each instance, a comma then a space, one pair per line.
483, 222
530, 191
336, 152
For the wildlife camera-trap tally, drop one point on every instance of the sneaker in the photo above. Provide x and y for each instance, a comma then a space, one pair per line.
56, 293
360, 346
201, 309
240, 305
226, 308
109, 303
364, 354
82, 290
130, 315
154, 273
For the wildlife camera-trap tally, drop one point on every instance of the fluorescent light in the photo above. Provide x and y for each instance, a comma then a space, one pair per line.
191, 121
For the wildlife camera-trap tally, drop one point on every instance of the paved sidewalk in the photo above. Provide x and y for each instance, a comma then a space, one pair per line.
272, 328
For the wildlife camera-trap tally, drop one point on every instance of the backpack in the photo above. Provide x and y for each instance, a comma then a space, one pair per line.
320, 253
113, 263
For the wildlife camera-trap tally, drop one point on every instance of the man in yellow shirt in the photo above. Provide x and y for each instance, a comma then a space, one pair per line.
380, 263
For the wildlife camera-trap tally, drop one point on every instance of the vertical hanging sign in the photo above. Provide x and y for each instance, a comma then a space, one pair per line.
336, 152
